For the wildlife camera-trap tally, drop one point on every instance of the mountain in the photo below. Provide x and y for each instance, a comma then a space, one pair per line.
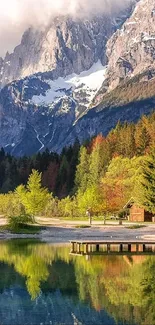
48, 83
130, 50
133, 44
64, 47
36, 113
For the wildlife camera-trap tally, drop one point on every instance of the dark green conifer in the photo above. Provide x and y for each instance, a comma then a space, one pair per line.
148, 183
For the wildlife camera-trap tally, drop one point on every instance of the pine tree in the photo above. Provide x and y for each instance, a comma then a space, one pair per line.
144, 140
96, 168
49, 177
61, 184
82, 172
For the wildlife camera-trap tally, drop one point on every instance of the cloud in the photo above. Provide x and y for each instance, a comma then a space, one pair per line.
17, 15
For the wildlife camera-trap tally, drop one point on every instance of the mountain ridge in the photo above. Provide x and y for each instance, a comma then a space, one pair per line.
53, 106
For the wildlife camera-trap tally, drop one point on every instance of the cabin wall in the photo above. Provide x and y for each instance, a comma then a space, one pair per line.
136, 213
140, 215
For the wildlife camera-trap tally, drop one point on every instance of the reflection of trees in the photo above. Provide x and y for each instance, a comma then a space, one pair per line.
61, 275
124, 287
8, 277
35, 270
34, 263
148, 291
27, 264
125, 290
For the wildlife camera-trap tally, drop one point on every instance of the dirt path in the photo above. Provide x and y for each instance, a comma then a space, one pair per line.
3, 221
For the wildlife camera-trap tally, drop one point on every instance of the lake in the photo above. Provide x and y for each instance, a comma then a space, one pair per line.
43, 284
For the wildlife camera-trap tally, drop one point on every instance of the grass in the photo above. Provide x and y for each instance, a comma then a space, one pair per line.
135, 226
95, 218
22, 229
83, 226
3, 228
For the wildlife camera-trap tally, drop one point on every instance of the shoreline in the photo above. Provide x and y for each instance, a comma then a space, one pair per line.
64, 234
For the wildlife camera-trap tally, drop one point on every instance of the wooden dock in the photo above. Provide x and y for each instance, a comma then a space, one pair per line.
117, 247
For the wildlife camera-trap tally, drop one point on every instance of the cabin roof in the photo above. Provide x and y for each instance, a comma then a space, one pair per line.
129, 204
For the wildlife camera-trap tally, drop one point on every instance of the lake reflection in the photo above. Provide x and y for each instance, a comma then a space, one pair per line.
44, 284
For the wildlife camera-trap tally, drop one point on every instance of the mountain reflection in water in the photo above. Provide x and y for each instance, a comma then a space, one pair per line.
43, 284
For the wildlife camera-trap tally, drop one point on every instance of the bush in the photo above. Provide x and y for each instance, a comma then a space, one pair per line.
123, 213
11, 205
16, 222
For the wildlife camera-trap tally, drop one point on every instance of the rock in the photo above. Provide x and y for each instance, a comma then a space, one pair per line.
131, 50
66, 46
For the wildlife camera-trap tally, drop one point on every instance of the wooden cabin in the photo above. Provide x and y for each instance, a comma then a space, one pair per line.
137, 213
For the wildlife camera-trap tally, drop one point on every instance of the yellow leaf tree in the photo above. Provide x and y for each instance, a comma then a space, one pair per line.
33, 197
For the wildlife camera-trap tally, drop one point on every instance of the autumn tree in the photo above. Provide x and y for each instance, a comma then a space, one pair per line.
119, 183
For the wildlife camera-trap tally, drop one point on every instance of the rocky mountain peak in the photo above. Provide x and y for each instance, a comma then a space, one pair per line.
67, 45
64, 47
131, 50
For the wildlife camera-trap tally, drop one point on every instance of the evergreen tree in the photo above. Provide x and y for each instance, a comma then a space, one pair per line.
82, 172
2, 154
147, 194
61, 185
49, 177
96, 168
73, 162
143, 143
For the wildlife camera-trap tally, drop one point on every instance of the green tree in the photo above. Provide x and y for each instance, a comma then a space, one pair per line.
82, 173
144, 140
90, 199
96, 165
147, 183
10, 204
68, 207
33, 197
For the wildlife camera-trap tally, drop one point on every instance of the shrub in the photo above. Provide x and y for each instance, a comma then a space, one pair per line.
16, 222
123, 213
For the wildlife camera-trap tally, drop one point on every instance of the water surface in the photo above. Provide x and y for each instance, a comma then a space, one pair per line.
43, 284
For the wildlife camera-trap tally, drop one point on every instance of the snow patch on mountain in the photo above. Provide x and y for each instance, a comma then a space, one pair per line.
89, 81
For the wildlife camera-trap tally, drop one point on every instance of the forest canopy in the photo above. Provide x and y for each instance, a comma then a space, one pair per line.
100, 175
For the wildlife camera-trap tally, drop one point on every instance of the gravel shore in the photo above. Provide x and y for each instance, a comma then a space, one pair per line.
58, 234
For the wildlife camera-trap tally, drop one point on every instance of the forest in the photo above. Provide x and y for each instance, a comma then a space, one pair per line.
101, 175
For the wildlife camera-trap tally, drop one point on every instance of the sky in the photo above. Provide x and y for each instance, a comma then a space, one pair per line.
17, 15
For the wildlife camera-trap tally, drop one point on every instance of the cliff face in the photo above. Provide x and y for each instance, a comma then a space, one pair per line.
131, 50
66, 46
